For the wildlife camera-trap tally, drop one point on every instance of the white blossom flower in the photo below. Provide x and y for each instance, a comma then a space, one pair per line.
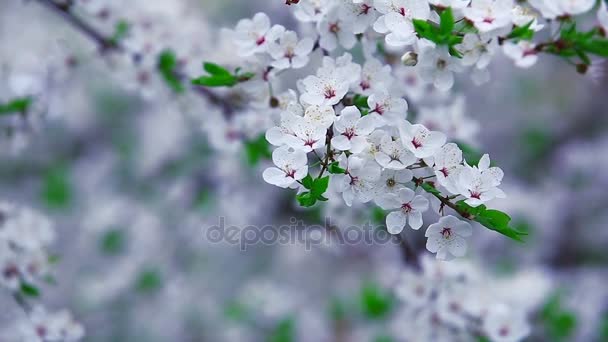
478, 184
447, 163
523, 53
396, 19
44, 326
391, 181
437, 66
343, 66
358, 182
394, 155
324, 116
477, 50
256, 35
276, 135
291, 167
419, 140
450, 119
552, 9
447, 237
502, 325
313, 10
289, 52
375, 76
523, 15
307, 135
327, 89
414, 289
410, 210
455, 4
334, 30
386, 108
488, 15
352, 130
361, 13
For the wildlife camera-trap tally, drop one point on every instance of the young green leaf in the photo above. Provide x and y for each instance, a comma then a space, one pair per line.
257, 149
18, 105
334, 168
167, 66
446, 23
29, 290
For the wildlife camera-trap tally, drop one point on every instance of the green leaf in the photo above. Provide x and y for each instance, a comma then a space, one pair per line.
18, 105
149, 281
470, 154
56, 188
320, 186
257, 149
215, 69
559, 323
446, 24
215, 81
121, 30
220, 76
317, 188
376, 303
522, 32
360, 102
308, 181
167, 66
29, 290
334, 168
306, 199
235, 311
495, 220
285, 331
112, 242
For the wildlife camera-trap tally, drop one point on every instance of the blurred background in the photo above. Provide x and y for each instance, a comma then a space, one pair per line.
132, 176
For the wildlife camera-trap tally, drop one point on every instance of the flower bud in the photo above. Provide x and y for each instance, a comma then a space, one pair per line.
409, 58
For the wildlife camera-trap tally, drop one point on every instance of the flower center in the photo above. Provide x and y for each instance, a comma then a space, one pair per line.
441, 64
417, 144
444, 171
261, 40
309, 142
329, 93
365, 9
364, 85
404, 11
406, 207
349, 133
475, 194
289, 172
334, 28
391, 182
447, 233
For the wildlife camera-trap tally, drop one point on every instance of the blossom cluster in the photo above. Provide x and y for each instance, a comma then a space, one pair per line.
457, 303
351, 121
379, 156
25, 236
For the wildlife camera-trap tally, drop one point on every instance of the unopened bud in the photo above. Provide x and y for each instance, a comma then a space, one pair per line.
582, 68
274, 102
409, 58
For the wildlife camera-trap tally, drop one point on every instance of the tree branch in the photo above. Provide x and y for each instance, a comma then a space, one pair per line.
108, 44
